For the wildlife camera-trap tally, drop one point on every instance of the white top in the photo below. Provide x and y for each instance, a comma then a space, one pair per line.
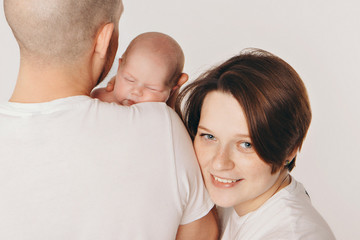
288, 215
78, 168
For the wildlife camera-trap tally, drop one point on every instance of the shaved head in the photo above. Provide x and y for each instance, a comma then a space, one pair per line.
58, 30
162, 46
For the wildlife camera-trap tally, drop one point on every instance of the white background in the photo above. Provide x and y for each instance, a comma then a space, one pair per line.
319, 38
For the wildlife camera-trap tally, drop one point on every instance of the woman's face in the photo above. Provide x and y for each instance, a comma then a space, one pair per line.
234, 174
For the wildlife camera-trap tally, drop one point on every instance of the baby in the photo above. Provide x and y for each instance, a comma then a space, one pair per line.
150, 70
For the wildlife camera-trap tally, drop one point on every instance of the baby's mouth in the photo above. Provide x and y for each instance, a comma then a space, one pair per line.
128, 102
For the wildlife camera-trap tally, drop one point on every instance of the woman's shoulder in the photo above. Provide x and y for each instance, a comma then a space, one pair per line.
289, 214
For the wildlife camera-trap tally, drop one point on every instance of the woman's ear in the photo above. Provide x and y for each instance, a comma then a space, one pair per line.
103, 39
291, 157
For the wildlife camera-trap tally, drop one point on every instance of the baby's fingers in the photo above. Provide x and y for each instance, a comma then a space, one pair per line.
110, 84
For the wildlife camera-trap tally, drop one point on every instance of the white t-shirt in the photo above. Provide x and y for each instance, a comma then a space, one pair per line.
288, 215
78, 168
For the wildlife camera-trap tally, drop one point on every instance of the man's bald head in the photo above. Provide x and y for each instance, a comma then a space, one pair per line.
58, 30
162, 46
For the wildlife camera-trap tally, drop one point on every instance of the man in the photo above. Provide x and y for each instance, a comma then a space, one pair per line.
73, 167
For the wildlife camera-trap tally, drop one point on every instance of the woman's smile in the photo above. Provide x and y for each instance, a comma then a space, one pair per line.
224, 182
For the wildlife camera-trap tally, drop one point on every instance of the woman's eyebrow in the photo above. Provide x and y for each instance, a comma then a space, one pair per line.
203, 128
243, 135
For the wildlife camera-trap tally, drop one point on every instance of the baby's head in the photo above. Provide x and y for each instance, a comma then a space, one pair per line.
149, 70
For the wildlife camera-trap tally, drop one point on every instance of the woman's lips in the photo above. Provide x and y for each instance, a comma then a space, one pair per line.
224, 182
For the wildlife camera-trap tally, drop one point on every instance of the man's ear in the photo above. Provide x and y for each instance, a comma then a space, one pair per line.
103, 39
182, 79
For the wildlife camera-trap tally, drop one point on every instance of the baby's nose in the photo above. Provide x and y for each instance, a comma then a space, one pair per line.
137, 90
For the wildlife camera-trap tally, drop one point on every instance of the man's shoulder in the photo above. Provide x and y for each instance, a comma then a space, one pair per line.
154, 113
136, 110
151, 108
149, 111
147, 114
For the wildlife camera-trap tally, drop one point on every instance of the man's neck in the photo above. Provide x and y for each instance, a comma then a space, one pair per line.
45, 83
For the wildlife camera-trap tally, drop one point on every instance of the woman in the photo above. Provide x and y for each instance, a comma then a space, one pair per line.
248, 118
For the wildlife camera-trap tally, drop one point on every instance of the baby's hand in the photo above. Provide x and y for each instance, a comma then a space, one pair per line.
110, 84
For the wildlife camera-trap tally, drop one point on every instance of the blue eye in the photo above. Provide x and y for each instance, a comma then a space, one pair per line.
246, 145
207, 136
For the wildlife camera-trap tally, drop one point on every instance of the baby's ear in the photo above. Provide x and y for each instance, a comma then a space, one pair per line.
175, 90
120, 60
182, 79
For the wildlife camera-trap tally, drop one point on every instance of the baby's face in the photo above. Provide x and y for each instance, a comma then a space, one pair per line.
141, 78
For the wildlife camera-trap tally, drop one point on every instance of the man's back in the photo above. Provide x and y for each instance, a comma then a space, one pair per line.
77, 168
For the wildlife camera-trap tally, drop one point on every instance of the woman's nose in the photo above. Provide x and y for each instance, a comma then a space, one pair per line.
222, 160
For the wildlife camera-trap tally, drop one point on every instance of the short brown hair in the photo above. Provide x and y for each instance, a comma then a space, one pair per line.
58, 29
271, 94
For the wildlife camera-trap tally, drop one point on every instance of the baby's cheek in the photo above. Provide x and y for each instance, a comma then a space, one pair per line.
121, 92
165, 96
154, 97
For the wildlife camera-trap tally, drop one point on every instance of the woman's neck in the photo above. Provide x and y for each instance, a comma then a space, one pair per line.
251, 205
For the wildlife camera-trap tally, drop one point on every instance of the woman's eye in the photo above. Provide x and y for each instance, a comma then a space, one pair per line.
246, 145
207, 136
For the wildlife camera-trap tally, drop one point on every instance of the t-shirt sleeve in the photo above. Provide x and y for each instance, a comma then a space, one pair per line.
195, 199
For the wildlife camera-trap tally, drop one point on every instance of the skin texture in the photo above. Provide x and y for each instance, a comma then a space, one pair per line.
141, 84
134, 84
45, 28
149, 71
224, 151
162, 47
